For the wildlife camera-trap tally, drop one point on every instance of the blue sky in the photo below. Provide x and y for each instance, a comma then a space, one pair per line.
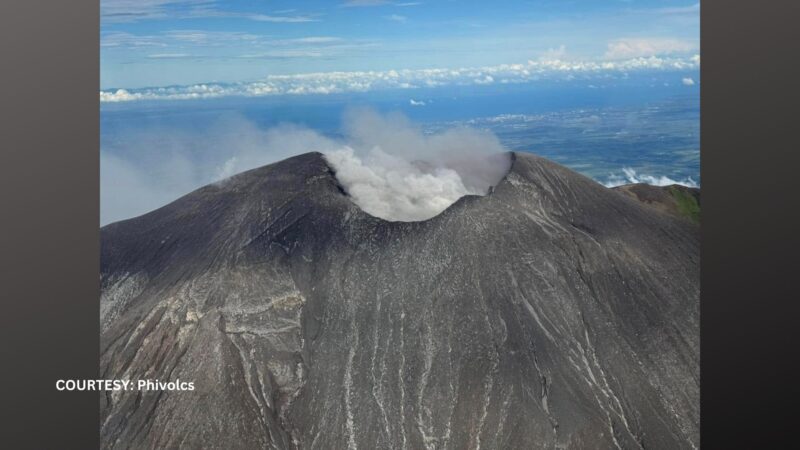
191, 89
154, 43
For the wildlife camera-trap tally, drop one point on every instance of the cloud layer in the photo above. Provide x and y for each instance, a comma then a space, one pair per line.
364, 81
645, 47
115, 11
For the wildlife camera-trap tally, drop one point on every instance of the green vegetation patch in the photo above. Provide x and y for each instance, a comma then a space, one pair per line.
687, 203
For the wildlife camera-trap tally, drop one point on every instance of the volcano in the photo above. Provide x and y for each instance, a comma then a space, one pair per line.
552, 312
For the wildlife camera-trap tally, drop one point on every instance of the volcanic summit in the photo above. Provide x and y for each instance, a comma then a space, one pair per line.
552, 312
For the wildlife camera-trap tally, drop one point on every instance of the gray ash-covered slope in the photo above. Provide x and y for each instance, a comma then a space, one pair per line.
551, 313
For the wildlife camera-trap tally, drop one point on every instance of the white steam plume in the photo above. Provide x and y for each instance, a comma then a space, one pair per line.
394, 171
389, 167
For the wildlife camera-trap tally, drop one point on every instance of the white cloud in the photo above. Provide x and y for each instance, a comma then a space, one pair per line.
691, 9
554, 53
120, 95
137, 10
396, 18
310, 40
488, 79
360, 3
133, 10
364, 81
413, 102
204, 37
177, 41
687, 81
275, 17
630, 176
196, 91
283, 54
366, 3
169, 55
280, 19
128, 40
387, 165
644, 47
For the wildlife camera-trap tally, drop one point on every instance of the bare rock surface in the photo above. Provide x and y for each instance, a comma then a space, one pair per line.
551, 313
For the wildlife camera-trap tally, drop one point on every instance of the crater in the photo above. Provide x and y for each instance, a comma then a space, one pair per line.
397, 189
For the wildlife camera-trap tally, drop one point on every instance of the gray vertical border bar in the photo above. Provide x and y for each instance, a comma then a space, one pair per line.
49, 237
750, 264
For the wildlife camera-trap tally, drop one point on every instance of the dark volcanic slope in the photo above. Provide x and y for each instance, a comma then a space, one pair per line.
551, 313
